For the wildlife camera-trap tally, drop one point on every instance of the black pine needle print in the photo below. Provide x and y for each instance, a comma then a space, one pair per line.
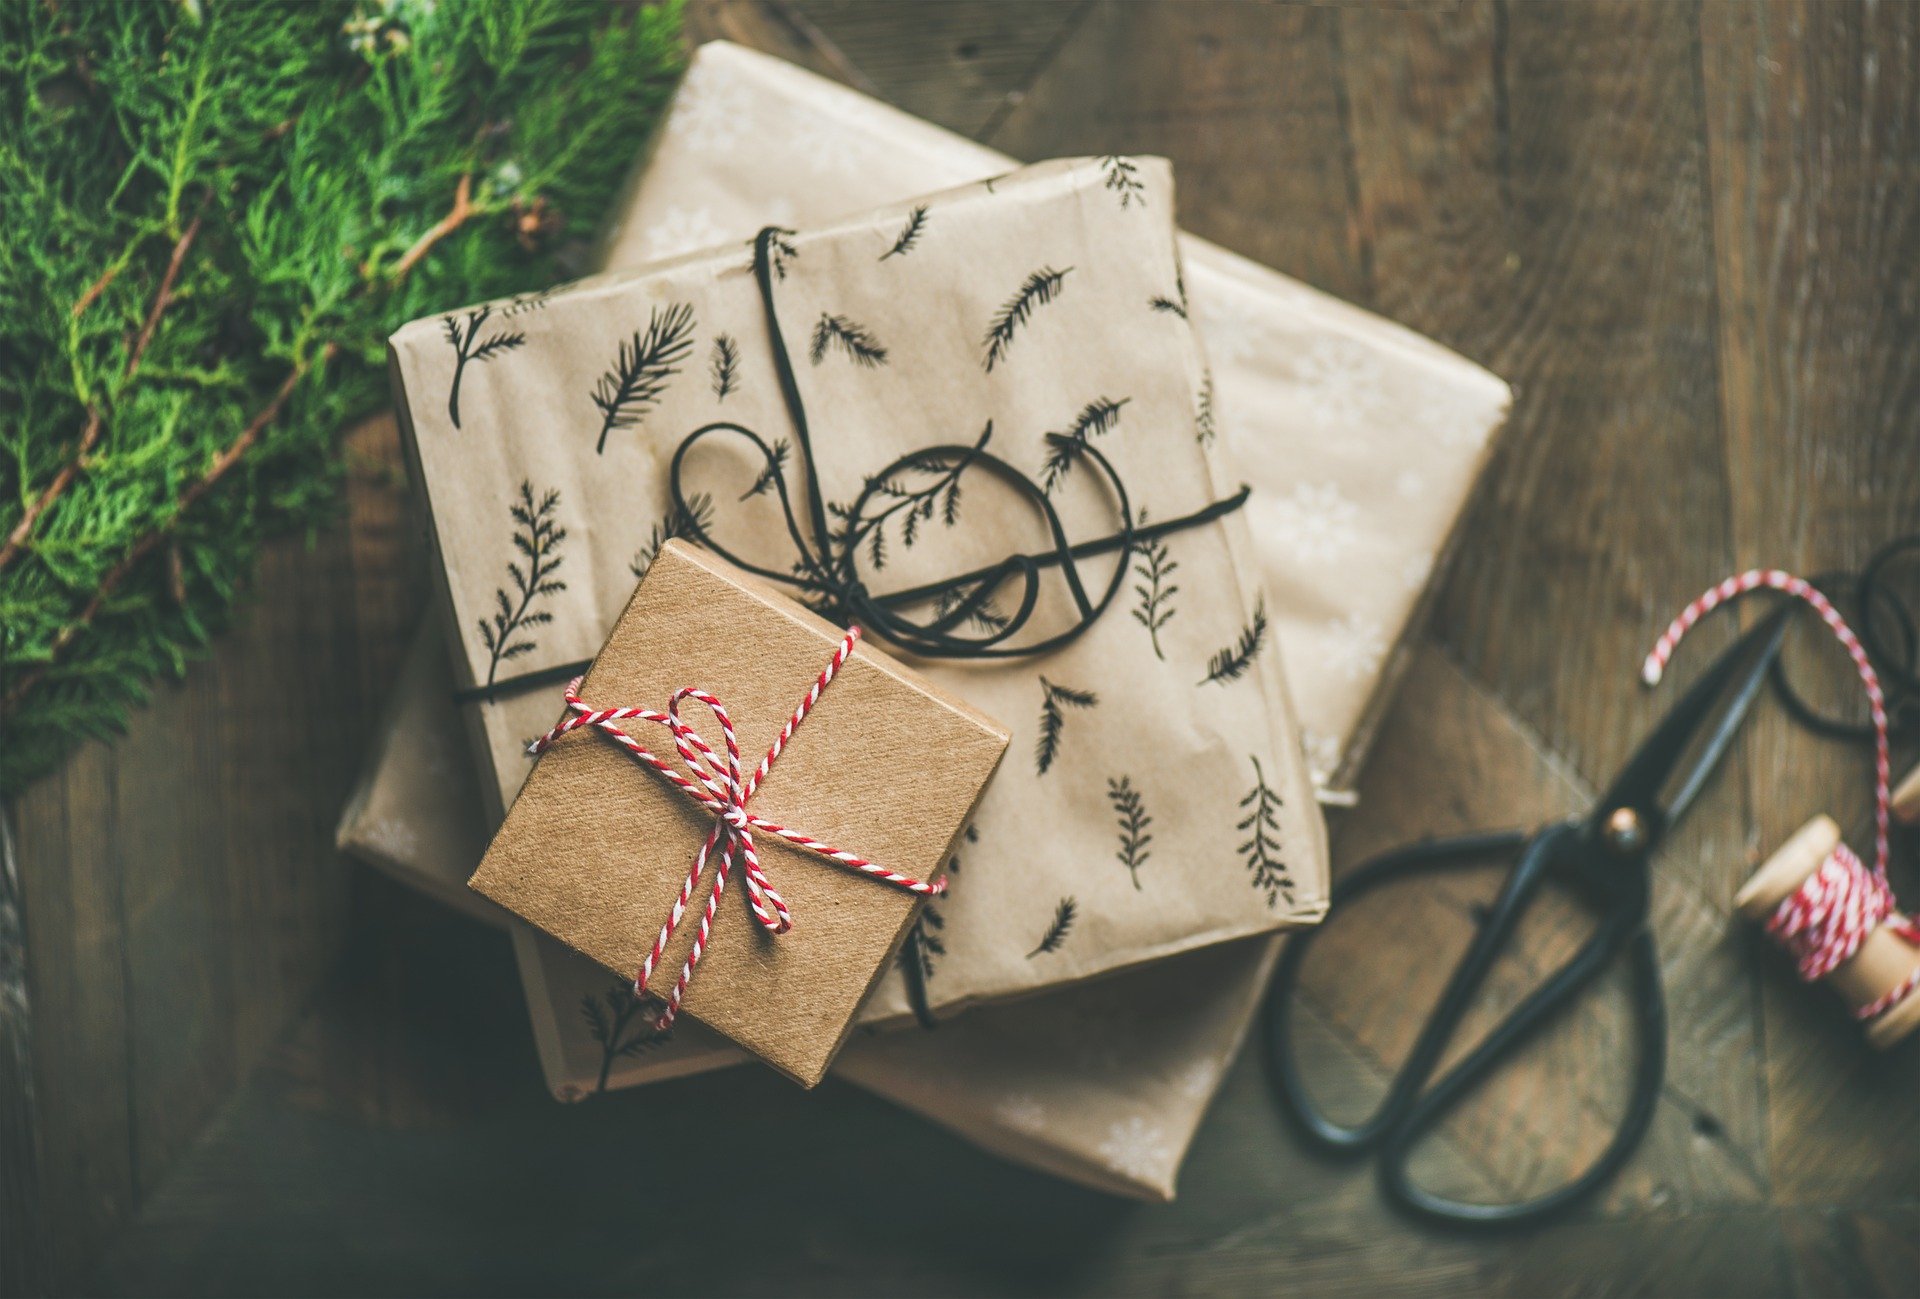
1057, 931
537, 537
1123, 178
909, 506
1040, 288
1203, 427
1155, 589
1054, 702
927, 939
641, 370
1232, 662
771, 473
1160, 302
1096, 419
1131, 811
725, 367
855, 339
1261, 850
608, 1020
461, 335
982, 616
909, 233
676, 523
780, 251
522, 303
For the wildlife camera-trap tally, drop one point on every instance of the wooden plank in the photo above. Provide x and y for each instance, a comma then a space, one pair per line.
1812, 117
1246, 102
1529, 183
25, 1262
960, 63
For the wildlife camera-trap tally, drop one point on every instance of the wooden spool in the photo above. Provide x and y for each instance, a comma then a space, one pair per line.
1906, 799
1884, 960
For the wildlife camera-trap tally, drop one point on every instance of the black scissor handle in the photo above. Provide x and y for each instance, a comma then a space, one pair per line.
1433, 855
1407, 1113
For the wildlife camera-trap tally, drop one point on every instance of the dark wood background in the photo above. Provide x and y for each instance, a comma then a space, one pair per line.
1688, 235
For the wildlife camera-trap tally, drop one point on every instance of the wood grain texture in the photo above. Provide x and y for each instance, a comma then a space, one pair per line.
1689, 235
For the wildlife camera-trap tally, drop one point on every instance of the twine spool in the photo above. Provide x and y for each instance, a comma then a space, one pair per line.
1816, 898
1885, 963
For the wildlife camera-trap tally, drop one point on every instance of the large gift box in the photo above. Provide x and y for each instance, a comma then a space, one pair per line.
965, 424
1306, 383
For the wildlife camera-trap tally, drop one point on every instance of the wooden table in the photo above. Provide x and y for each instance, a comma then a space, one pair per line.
1689, 236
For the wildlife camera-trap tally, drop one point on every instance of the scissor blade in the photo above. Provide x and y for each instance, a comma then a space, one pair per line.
1722, 696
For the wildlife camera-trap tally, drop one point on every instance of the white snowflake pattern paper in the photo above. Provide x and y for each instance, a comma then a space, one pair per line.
1316, 522
1354, 646
1136, 1148
683, 230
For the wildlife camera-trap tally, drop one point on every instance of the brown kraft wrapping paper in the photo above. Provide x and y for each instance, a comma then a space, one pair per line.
549, 495
596, 846
1312, 391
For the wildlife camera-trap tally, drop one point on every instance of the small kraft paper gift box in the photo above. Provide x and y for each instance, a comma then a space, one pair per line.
963, 423
836, 835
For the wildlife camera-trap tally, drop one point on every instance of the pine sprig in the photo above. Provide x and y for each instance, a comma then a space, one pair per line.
1054, 702
770, 472
910, 506
1131, 811
1040, 288
909, 233
1261, 850
642, 369
1203, 426
537, 537
725, 367
461, 335
1064, 448
217, 214
1123, 178
1231, 663
1057, 929
608, 1019
676, 523
1155, 589
855, 339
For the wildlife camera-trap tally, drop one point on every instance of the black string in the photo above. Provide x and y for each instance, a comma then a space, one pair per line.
830, 548
1873, 603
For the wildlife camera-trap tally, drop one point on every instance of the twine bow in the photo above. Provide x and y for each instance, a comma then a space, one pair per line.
718, 785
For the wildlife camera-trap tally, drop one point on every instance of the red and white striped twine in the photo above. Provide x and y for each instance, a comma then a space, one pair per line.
720, 788
1824, 921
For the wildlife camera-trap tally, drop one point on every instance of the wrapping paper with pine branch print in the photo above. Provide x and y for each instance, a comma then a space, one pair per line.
1362, 439
1164, 804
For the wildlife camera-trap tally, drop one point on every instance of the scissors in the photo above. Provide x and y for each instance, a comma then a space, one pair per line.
1603, 857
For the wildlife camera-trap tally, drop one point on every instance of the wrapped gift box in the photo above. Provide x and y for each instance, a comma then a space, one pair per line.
1304, 381
557, 439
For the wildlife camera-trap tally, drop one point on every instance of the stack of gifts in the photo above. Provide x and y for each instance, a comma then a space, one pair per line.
953, 670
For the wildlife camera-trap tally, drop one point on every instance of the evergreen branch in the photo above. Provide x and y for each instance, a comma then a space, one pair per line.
1040, 288
1058, 929
1155, 608
770, 472
1123, 178
90, 433
1064, 448
608, 1026
1054, 702
1203, 428
856, 340
909, 233
461, 338
725, 366
1232, 662
455, 218
1131, 812
1160, 302
1261, 850
153, 540
641, 370
538, 538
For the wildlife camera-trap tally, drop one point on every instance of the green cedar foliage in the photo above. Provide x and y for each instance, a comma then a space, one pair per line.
291, 163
